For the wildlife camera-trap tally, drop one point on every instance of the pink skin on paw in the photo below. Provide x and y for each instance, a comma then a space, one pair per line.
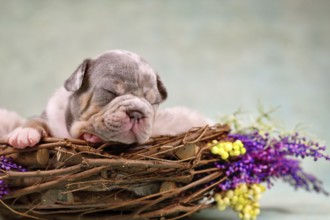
24, 137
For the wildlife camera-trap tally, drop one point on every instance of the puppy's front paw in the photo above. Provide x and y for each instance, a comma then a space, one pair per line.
24, 137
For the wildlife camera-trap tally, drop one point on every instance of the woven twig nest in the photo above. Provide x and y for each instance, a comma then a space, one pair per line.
73, 179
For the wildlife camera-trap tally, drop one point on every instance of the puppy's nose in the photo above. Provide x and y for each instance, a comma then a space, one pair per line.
135, 115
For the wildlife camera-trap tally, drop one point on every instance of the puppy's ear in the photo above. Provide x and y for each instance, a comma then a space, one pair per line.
161, 88
74, 82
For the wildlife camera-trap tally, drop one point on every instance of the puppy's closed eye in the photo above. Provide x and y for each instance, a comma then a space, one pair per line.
104, 96
111, 92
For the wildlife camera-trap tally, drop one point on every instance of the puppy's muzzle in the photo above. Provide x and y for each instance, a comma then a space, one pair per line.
135, 115
126, 119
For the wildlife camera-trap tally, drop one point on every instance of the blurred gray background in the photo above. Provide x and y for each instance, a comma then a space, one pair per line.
213, 56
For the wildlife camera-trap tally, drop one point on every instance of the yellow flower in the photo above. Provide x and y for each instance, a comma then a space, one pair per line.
227, 149
244, 200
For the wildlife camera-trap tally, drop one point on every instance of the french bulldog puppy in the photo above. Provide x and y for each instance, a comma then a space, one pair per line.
113, 97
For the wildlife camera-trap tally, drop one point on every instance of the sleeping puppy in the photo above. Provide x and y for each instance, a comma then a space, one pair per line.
111, 98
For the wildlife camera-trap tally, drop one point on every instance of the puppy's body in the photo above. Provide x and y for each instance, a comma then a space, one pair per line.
169, 121
9, 120
113, 97
55, 113
177, 120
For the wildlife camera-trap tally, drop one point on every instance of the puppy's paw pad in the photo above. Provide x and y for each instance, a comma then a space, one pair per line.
24, 137
12, 137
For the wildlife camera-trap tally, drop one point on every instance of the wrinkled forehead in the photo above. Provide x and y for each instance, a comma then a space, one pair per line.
124, 69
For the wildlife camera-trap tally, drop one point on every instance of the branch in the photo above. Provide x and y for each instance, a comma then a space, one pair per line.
44, 173
54, 183
134, 163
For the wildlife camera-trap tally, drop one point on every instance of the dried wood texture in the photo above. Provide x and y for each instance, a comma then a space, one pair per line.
72, 179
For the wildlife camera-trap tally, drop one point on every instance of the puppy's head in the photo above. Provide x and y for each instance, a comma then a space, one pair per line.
114, 98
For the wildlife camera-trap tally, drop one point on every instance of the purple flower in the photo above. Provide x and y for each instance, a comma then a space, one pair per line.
270, 158
7, 164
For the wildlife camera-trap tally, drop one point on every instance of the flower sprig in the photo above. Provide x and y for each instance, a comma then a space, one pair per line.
7, 164
270, 158
267, 159
244, 199
240, 122
269, 154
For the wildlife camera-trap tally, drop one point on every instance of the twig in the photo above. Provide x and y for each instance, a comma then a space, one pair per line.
20, 213
134, 163
44, 173
203, 131
191, 211
53, 183
10, 150
177, 191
